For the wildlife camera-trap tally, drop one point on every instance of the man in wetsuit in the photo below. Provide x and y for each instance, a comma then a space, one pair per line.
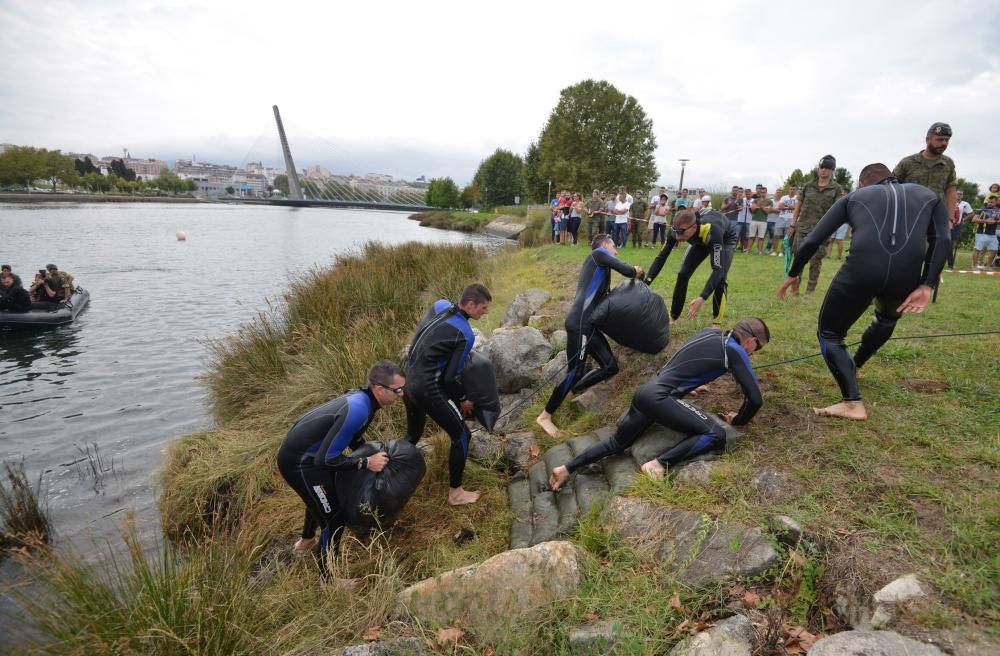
710, 234
313, 452
899, 247
813, 202
583, 338
703, 358
434, 365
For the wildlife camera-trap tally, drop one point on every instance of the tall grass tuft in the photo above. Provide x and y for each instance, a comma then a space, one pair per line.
24, 513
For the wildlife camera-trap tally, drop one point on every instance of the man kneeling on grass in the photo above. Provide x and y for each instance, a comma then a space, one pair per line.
703, 358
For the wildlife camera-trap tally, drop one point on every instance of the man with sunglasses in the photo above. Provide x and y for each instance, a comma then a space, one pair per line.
434, 365
708, 355
313, 451
710, 235
900, 244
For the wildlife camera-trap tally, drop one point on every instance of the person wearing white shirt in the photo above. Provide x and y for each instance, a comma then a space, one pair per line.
622, 208
962, 212
786, 207
743, 217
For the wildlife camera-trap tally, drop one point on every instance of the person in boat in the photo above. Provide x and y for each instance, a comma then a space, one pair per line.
13, 296
60, 281
40, 291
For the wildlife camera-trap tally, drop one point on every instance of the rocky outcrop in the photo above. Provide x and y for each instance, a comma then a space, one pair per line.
730, 637
699, 549
518, 356
511, 452
523, 306
871, 643
504, 588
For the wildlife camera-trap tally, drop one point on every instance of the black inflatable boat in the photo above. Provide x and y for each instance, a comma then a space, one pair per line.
48, 314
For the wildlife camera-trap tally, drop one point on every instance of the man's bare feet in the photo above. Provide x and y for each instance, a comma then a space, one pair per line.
545, 421
846, 409
305, 545
654, 470
698, 390
558, 478
458, 496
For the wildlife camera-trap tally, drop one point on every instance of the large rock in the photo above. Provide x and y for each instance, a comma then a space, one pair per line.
698, 549
903, 589
512, 406
518, 356
487, 449
871, 643
396, 647
558, 340
523, 306
596, 399
520, 449
555, 369
696, 472
730, 637
508, 586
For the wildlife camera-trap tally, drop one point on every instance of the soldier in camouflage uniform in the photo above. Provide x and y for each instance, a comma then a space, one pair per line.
812, 203
931, 167
60, 281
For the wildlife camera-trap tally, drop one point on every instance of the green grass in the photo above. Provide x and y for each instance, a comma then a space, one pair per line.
454, 219
24, 513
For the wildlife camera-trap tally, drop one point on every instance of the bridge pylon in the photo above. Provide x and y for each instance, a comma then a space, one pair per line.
294, 188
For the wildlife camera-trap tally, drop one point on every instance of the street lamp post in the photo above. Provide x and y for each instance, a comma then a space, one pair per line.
683, 162
548, 199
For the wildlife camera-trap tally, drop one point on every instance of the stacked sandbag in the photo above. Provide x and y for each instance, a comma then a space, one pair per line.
370, 499
634, 316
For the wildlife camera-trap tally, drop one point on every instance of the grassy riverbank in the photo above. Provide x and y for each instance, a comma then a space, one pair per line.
453, 219
913, 489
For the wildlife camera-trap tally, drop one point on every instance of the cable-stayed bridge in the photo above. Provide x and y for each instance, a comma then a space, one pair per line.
341, 191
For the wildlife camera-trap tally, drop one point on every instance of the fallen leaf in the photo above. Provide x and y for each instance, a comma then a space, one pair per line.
751, 599
683, 626
450, 636
796, 557
737, 590
675, 603
372, 633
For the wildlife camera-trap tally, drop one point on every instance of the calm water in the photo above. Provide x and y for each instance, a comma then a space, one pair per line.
110, 391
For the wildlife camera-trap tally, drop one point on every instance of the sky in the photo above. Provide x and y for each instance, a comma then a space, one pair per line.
747, 91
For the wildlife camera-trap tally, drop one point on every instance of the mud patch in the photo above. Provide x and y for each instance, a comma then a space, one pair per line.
924, 385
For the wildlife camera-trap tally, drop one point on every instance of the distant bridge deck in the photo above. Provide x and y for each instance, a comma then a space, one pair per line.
350, 204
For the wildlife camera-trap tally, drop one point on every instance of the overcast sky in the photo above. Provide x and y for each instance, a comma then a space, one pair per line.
746, 91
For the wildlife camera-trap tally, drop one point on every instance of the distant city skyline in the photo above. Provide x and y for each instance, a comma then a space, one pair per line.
746, 91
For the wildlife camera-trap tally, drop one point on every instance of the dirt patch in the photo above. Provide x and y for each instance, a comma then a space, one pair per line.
924, 385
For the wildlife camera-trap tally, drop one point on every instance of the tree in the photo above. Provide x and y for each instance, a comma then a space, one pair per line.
120, 170
60, 168
230, 190
21, 165
597, 137
281, 183
442, 192
470, 196
797, 178
500, 177
536, 186
843, 177
970, 191
84, 166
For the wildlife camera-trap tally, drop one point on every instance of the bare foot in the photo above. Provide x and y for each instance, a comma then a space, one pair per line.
558, 478
305, 545
698, 390
545, 421
846, 409
458, 496
654, 470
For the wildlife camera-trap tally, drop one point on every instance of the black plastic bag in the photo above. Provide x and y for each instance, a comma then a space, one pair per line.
634, 316
480, 384
371, 500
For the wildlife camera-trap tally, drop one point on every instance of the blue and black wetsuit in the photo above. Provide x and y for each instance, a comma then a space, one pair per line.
313, 452
714, 237
703, 358
434, 387
582, 338
900, 241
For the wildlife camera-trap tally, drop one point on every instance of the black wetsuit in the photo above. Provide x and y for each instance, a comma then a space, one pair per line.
434, 387
582, 338
714, 236
15, 299
703, 358
312, 453
900, 241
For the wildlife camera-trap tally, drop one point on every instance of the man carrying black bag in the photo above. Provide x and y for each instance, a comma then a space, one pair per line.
583, 338
313, 451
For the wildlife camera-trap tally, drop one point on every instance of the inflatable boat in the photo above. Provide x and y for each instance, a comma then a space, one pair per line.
48, 314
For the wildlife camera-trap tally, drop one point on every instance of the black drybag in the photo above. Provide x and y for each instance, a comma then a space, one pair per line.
480, 383
634, 316
371, 500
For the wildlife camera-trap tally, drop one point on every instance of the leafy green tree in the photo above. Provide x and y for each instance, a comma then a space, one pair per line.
500, 178
843, 177
469, 196
797, 178
597, 137
536, 186
970, 192
120, 170
21, 165
230, 190
442, 192
281, 183
60, 168
84, 166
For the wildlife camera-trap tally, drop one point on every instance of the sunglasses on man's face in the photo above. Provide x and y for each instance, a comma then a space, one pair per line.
680, 231
395, 390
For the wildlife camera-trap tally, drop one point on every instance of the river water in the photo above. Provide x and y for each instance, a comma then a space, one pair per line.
93, 404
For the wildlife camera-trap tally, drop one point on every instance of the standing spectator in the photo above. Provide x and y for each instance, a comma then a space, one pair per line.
565, 206
682, 202
743, 217
554, 212
963, 211
659, 219
818, 196
773, 208
758, 222
621, 212
654, 196
706, 201
637, 210
931, 167
609, 214
986, 221
994, 192
595, 215
731, 205
696, 202
575, 213
786, 207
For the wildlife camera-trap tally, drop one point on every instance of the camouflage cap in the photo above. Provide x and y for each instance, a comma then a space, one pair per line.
939, 130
